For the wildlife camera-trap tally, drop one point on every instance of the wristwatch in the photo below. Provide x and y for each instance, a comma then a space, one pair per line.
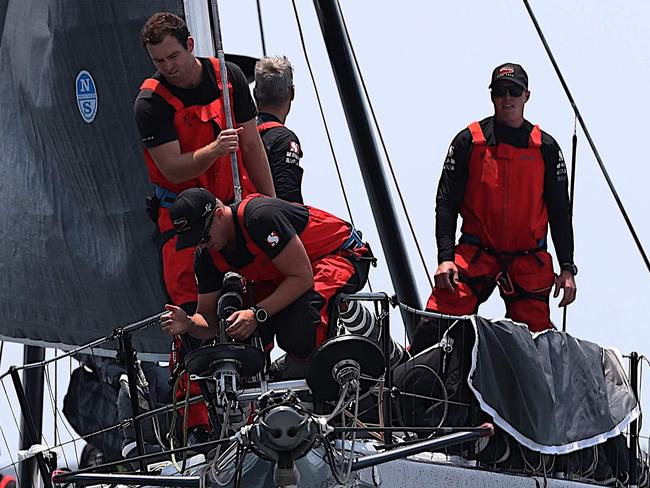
570, 267
261, 315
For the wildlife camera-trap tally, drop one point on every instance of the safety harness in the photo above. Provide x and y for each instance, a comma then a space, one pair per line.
510, 290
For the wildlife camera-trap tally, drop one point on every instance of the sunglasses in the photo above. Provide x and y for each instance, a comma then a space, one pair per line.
514, 91
205, 237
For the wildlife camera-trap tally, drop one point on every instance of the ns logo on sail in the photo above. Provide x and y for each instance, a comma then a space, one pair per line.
86, 92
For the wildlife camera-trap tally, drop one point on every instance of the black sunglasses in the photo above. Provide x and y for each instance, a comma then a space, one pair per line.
205, 237
514, 90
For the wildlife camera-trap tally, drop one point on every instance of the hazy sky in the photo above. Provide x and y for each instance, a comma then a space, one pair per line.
427, 65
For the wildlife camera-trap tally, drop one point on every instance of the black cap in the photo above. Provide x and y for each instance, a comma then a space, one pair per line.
510, 72
189, 214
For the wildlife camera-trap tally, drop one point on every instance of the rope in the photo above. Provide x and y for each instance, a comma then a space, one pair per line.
129, 329
386, 155
322, 113
325, 125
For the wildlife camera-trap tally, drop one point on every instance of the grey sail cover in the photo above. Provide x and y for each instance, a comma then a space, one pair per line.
552, 392
77, 256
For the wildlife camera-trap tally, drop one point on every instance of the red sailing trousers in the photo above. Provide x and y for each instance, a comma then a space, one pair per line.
525, 283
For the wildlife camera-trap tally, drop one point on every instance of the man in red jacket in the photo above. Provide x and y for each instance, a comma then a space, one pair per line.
181, 119
508, 181
304, 256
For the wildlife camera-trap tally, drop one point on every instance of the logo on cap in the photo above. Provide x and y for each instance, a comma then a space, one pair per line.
181, 225
207, 210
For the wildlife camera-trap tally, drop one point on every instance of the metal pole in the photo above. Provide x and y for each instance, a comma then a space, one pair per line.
128, 359
114, 479
386, 342
429, 445
31, 415
634, 425
365, 145
225, 93
574, 150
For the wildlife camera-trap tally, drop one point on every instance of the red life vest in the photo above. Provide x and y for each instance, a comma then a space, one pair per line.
264, 126
194, 128
324, 234
504, 198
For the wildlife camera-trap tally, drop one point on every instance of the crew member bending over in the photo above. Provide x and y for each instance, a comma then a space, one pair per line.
302, 255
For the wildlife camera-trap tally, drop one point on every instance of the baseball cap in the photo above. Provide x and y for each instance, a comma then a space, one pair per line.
189, 214
510, 72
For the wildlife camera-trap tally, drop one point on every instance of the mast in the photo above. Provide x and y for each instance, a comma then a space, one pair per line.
367, 151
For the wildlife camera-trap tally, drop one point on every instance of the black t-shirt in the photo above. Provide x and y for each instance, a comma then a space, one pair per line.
284, 152
271, 224
155, 117
453, 182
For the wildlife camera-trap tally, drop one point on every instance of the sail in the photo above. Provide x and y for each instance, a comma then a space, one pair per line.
78, 257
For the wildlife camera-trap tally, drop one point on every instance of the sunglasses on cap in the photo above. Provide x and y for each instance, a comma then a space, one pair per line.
513, 90
205, 237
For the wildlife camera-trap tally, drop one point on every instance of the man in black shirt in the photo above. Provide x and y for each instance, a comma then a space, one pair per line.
507, 179
182, 122
302, 256
274, 92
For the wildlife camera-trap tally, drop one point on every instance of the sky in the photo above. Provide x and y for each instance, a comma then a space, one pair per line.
427, 65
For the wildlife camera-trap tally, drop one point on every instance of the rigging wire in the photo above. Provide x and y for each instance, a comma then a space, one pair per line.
322, 113
13, 414
385, 149
588, 136
4, 438
259, 19
56, 397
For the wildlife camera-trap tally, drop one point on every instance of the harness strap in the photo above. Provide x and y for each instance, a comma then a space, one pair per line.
502, 255
161, 90
473, 283
355, 241
535, 138
264, 126
161, 238
165, 196
478, 138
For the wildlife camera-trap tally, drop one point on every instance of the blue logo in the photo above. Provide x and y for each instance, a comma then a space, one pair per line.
86, 96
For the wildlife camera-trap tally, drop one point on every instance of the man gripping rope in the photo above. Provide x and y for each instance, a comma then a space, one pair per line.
306, 255
507, 179
182, 122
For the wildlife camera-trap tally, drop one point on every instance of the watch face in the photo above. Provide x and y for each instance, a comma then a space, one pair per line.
261, 315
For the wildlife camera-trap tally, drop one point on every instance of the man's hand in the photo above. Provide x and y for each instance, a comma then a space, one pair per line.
175, 321
567, 282
227, 141
242, 324
446, 276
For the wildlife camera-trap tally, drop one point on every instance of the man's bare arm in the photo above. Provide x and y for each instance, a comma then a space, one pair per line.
202, 325
294, 264
179, 167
